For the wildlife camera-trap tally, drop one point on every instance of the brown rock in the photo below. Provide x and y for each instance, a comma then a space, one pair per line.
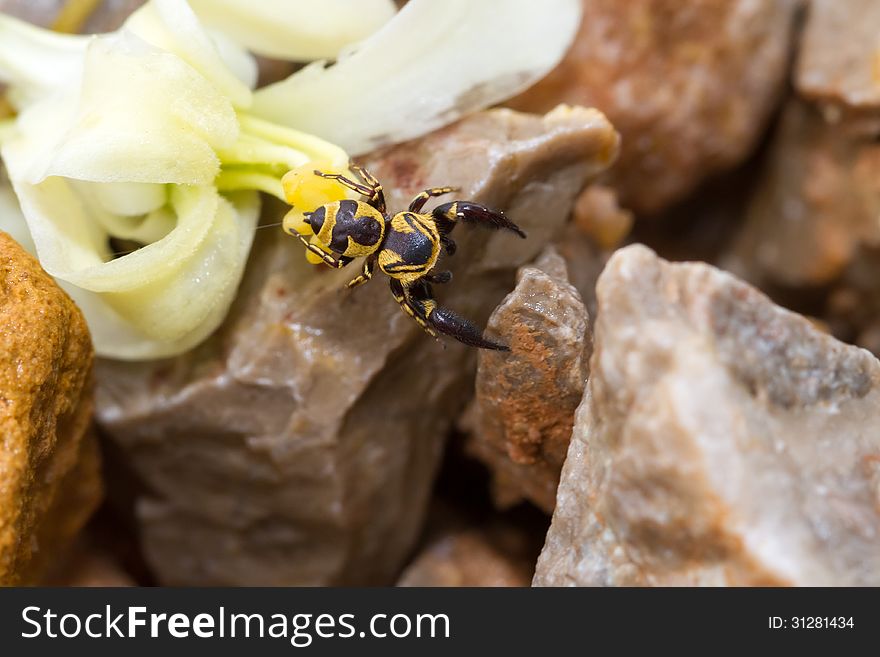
469, 557
525, 400
299, 445
839, 64
584, 262
49, 465
821, 197
89, 564
688, 84
721, 440
599, 216
816, 205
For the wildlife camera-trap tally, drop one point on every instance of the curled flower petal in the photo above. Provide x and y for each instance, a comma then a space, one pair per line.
299, 30
177, 299
134, 99
431, 64
161, 299
171, 25
145, 229
12, 220
131, 199
36, 63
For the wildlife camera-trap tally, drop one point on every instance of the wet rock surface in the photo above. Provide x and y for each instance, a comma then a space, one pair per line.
525, 400
689, 85
49, 467
299, 445
721, 440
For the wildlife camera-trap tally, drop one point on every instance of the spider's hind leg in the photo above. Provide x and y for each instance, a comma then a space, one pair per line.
410, 306
418, 301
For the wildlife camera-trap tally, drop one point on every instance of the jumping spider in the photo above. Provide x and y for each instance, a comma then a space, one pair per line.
406, 247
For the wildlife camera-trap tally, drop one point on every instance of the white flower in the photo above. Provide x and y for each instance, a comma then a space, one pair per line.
153, 134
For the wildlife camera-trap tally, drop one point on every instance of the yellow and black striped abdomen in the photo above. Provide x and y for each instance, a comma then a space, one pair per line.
411, 247
350, 228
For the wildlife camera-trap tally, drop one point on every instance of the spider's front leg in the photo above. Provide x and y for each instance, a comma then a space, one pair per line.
372, 189
365, 275
329, 260
448, 215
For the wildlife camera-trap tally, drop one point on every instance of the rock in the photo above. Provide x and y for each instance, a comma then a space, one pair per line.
721, 440
49, 467
584, 262
525, 400
690, 86
470, 557
813, 221
89, 564
299, 444
815, 207
839, 64
599, 216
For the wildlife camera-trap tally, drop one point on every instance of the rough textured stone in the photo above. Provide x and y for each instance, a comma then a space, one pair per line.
49, 468
721, 440
598, 214
89, 564
813, 221
817, 203
584, 262
689, 84
525, 401
839, 64
470, 557
298, 446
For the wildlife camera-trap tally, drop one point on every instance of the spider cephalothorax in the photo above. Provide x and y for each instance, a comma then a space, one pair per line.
405, 246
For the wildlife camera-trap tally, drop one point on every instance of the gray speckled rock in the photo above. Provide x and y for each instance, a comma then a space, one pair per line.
526, 400
721, 440
299, 445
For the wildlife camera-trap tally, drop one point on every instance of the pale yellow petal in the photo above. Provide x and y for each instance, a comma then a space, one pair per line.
433, 63
178, 299
142, 115
298, 30
172, 26
37, 63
